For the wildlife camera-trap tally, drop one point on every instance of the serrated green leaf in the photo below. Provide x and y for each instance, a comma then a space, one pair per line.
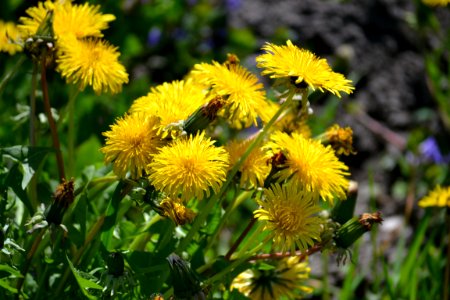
83, 283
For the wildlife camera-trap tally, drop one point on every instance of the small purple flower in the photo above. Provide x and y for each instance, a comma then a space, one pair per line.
429, 152
233, 5
154, 36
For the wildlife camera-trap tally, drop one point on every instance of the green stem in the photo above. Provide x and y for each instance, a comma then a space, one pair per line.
51, 122
240, 238
11, 73
32, 190
90, 236
230, 208
447, 264
29, 258
304, 111
71, 134
200, 219
226, 271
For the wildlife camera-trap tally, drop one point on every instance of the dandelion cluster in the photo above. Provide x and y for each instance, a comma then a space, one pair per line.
74, 32
171, 139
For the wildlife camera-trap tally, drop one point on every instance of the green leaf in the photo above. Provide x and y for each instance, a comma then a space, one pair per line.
84, 283
5, 284
29, 157
10, 270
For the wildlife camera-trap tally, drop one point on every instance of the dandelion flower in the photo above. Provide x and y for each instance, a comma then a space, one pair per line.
310, 164
171, 102
289, 213
79, 21
436, 2
131, 143
255, 168
190, 167
286, 279
91, 62
340, 139
301, 66
245, 96
9, 35
440, 197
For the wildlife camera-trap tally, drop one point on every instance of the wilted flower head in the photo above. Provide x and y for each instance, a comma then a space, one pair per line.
340, 139
131, 143
439, 196
189, 167
9, 38
176, 211
311, 164
297, 66
289, 212
286, 279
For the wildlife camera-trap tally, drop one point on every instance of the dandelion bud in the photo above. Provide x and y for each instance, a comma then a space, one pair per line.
343, 210
186, 284
348, 233
2, 239
200, 119
115, 263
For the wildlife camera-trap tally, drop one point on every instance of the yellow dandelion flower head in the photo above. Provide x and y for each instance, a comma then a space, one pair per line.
68, 20
301, 66
286, 279
246, 98
37, 14
9, 38
255, 168
436, 2
176, 211
91, 62
131, 143
341, 139
171, 102
289, 212
81, 21
189, 167
310, 164
439, 196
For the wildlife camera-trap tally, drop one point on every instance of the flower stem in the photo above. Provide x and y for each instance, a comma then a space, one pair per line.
447, 264
90, 236
11, 73
29, 258
240, 238
234, 264
231, 206
51, 122
32, 189
71, 134
217, 197
280, 255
